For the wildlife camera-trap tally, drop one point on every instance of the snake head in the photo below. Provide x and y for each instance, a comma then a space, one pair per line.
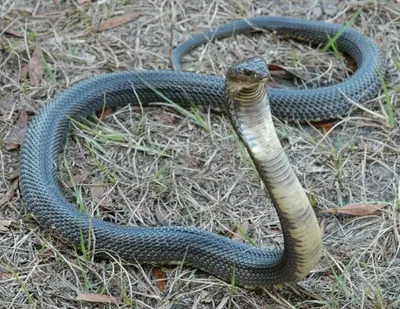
247, 74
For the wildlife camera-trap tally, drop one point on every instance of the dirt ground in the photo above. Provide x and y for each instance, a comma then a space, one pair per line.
163, 166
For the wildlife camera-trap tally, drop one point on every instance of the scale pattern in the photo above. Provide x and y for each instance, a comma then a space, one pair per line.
217, 255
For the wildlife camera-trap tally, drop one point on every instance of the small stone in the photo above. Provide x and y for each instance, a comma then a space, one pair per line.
317, 12
330, 7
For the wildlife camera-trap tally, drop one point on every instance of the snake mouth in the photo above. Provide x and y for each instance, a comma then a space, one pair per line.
245, 75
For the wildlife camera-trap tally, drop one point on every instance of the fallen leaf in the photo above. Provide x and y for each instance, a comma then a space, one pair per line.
12, 103
278, 71
4, 274
4, 224
99, 298
7, 103
14, 139
36, 69
357, 209
115, 22
240, 232
10, 192
167, 117
275, 67
160, 278
105, 112
324, 125
10, 32
24, 72
77, 179
97, 190
282, 77
350, 63
238, 54
161, 216
53, 14
192, 161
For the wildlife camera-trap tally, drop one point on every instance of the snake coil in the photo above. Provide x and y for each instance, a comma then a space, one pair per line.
227, 259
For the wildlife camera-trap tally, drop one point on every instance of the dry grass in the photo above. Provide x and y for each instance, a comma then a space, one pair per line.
158, 166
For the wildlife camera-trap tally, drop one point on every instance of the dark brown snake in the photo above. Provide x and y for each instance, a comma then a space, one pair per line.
247, 103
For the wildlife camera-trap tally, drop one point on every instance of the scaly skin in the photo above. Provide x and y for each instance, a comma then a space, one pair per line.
230, 260
250, 114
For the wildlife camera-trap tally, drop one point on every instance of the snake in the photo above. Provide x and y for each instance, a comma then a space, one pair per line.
249, 103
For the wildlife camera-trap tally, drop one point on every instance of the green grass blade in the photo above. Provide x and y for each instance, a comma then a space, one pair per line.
332, 41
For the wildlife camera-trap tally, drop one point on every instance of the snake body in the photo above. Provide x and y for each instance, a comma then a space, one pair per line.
227, 259
249, 111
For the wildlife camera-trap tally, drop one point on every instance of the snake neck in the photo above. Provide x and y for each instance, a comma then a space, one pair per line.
250, 114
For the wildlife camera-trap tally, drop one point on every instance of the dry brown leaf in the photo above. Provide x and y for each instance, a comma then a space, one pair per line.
324, 125
99, 298
161, 216
160, 278
24, 72
36, 69
192, 161
357, 209
167, 117
7, 103
240, 232
81, 177
105, 112
97, 190
281, 77
12, 103
14, 139
275, 68
53, 14
115, 22
11, 32
77, 179
280, 73
4, 274
238, 54
10, 192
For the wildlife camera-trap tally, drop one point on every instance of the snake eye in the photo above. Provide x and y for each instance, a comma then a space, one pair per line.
247, 72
